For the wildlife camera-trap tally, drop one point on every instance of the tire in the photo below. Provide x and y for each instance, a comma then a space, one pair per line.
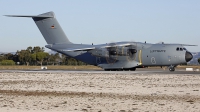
171, 69
133, 69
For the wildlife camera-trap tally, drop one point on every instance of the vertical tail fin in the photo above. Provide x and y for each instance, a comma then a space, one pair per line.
49, 27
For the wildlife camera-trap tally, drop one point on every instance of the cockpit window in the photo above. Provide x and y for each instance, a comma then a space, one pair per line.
180, 49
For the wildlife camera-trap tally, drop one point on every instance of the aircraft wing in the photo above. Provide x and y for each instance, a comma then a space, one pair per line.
92, 48
79, 49
187, 45
179, 44
116, 45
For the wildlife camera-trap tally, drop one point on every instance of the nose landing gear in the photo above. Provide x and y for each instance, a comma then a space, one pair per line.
171, 68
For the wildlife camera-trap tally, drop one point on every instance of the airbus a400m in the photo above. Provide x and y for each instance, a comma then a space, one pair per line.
111, 56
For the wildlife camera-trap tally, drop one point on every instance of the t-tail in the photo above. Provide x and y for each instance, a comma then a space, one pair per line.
49, 27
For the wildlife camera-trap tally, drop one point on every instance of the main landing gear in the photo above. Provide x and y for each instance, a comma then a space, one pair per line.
125, 69
171, 68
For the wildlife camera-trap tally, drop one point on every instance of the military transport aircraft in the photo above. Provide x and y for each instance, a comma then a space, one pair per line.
110, 56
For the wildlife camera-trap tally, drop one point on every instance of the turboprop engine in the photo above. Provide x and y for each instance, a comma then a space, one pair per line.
114, 52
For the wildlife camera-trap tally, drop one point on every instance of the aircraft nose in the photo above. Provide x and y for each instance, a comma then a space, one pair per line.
188, 56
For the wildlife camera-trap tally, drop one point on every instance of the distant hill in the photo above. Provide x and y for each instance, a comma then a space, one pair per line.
7, 52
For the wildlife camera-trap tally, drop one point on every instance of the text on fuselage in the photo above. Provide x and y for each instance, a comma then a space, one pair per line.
152, 51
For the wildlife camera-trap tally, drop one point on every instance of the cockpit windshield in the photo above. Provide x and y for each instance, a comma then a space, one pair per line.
181, 49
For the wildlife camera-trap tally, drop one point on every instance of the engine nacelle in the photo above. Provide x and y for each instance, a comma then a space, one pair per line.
118, 51
113, 52
132, 51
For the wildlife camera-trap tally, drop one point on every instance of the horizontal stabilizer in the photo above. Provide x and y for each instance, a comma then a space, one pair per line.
32, 16
44, 15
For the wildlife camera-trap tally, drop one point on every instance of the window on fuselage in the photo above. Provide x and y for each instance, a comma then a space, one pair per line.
181, 49
184, 49
177, 48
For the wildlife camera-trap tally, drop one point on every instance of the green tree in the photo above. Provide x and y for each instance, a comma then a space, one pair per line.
8, 56
2, 57
7, 62
30, 49
199, 60
33, 58
24, 56
52, 59
63, 58
37, 49
40, 56
57, 58
72, 61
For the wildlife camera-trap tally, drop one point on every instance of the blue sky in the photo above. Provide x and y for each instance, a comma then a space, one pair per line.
103, 21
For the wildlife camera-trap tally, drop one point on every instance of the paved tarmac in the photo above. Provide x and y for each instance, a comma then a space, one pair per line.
146, 89
138, 71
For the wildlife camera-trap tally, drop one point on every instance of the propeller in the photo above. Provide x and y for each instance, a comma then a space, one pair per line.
131, 51
112, 53
120, 51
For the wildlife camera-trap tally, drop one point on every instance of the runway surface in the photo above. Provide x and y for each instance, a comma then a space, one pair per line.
99, 91
138, 71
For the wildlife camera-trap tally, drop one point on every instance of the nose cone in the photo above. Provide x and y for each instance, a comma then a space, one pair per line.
188, 56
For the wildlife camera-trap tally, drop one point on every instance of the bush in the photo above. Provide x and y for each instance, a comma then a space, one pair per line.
7, 62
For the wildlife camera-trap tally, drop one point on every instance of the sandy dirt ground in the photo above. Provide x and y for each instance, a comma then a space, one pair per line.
77, 92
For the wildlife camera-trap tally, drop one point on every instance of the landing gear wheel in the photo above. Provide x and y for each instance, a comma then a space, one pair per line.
133, 69
171, 69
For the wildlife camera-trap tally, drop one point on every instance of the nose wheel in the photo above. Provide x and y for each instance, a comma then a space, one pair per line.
171, 68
